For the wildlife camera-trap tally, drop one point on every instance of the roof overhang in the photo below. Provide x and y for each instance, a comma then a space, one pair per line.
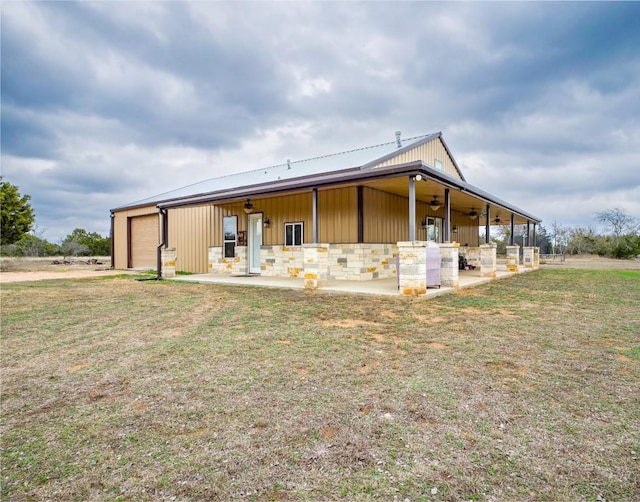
389, 178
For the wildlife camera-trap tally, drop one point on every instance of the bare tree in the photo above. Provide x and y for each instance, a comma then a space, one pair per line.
560, 237
619, 222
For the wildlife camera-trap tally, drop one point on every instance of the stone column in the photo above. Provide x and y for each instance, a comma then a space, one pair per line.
168, 263
412, 276
513, 258
449, 271
316, 265
531, 257
488, 261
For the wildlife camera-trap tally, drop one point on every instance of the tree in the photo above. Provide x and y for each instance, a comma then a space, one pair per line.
559, 235
16, 214
83, 243
619, 222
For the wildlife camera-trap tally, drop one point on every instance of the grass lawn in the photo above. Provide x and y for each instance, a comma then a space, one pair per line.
523, 389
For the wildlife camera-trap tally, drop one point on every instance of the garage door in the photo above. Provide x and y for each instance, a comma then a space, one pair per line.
144, 241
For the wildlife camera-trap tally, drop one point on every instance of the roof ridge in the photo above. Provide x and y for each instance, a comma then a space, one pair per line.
311, 158
265, 169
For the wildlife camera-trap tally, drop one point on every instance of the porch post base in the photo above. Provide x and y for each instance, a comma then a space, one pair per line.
316, 265
488, 260
513, 258
412, 276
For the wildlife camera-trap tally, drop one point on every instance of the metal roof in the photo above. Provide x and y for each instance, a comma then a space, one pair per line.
360, 157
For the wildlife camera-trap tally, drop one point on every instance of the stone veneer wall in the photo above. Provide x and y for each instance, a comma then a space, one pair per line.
531, 257
488, 261
168, 262
472, 255
513, 258
228, 266
362, 262
282, 261
449, 270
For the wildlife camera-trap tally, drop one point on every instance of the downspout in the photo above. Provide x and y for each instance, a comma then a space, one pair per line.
164, 240
113, 262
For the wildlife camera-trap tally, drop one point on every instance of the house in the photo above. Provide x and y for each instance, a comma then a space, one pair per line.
349, 215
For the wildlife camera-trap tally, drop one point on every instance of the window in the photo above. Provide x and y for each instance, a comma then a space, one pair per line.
229, 230
438, 165
293, 234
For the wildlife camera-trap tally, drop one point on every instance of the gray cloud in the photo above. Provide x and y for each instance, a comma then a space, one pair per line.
102, 106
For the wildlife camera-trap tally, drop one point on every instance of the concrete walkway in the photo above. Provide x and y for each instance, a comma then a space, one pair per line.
381, 287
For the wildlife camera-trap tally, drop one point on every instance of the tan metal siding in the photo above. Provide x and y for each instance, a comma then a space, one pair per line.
279, 210
428, 153
385, 216
467, 235
144, 241
338, 215
191, 234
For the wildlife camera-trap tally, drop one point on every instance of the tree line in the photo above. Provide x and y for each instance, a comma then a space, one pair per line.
18, 236
621, 238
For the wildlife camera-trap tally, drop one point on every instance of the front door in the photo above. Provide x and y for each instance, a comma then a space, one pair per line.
254, 242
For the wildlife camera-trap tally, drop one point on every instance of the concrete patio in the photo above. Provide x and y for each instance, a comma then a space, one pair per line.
380, 287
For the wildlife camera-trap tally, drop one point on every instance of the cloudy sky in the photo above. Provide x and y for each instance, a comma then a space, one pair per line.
107, 103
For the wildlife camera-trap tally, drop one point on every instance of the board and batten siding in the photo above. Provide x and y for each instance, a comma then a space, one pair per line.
428, 153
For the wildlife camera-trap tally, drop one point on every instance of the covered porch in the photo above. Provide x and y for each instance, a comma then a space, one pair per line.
378, 287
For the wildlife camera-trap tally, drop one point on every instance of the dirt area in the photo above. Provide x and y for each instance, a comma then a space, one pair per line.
592, 262
54, 267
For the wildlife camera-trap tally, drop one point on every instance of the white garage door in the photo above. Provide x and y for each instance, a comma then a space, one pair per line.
144, 241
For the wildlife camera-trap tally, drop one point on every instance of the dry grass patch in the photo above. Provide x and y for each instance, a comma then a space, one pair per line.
524, 389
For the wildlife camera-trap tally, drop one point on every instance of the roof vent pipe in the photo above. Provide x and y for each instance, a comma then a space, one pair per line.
288, 163
398, 142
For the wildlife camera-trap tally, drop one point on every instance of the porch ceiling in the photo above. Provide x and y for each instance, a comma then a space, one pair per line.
461, 202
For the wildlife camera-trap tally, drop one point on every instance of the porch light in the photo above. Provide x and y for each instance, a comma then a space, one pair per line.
423, 223
434, 204
248, 206
266, 223
454, 229
418, 177
473, 214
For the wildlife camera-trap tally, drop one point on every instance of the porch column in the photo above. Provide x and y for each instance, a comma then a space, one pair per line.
314, 203
449, 271
513, 258
316, 265
412, 273
487, 224
528, 235
412, 208
535, 244
488, 263
512, 230
447, 216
